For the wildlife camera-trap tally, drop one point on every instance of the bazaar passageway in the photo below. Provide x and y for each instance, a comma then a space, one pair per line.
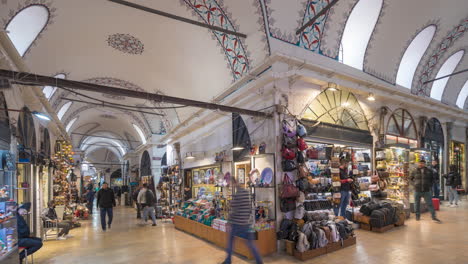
417, 242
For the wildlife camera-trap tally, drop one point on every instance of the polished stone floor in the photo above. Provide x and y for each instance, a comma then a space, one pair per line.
417, 242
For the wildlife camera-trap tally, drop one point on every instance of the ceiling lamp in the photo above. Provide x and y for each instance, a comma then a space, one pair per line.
332, 87
371, 97
345, 104
189, 155
237, 148
41, 115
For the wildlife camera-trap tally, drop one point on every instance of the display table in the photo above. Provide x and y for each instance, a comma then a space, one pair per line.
266, 240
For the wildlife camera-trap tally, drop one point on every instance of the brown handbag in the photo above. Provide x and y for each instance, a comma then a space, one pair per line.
336, 178
375, 178
303, 171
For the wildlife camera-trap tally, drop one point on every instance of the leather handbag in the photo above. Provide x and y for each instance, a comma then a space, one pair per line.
374, 187
336, 178
289, 165
303, 171
300, 157
288, 189
287, 205
312, 153
375, 178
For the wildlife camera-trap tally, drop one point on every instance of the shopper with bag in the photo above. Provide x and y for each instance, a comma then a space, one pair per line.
452, 181
422, 179
240, 221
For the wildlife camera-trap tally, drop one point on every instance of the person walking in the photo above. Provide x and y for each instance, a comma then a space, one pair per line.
51, 215
345, 188
135, 199
118, 194
436, 185
422, 179
25, 240
452, 180
90, 200
147, 201
240, 221
106, 202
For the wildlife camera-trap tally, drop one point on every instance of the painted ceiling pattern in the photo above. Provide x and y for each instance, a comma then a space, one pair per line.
211, 12
126, 43
114, 82
310, 38
456, 33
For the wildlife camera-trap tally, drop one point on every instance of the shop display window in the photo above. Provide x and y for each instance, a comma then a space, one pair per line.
457, 157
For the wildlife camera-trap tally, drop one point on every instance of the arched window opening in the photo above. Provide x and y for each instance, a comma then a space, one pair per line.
24, 28
338, 108
462, 96
358, 31
401, 128
447, 68
413, 55
140, 133
70, 124
63, 110
49, 91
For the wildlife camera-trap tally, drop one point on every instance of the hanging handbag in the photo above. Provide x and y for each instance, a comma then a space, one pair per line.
300, 157
366, 157
287, 205
288, 189
312, 153
301, 144
288, 154
375, 178
289, 142
301, 130
303, 171
289, 165
374, 187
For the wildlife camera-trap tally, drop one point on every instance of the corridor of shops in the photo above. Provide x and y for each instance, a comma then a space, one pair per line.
315, 131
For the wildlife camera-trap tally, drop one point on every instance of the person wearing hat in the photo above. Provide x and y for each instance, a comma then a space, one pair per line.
25, 240
422, 179
106, 202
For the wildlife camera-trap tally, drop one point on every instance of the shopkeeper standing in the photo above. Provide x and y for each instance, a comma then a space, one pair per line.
345, 189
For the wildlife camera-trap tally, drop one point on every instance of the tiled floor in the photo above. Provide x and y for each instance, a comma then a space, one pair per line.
417, 242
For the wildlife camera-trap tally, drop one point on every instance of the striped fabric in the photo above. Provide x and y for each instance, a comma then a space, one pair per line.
241, 207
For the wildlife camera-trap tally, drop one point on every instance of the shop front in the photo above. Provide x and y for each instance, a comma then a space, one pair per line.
337, 127
208, 175
433, 141
458, 158
26, 167
399, 155
8, 196
43, 188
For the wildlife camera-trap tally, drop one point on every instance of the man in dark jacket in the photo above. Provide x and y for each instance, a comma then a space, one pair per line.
106, 202
32, 244
452, 180
422, 179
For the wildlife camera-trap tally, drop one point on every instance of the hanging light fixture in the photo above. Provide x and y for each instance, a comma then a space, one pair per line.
371, 97
41, 115
332, 87
237, 148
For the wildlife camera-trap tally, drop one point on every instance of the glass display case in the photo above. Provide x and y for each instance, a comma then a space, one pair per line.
8, 233
392, 164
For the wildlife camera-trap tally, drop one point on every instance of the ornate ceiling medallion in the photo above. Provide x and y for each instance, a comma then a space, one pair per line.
126, 43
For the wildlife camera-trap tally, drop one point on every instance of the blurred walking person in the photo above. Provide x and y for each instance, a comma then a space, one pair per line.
147, 201
240, 221
452, 180
106, 203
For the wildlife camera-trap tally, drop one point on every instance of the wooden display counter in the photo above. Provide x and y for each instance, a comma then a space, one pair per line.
266, 240
331, 247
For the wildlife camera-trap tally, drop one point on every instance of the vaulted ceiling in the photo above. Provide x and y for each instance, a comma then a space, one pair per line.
107, 43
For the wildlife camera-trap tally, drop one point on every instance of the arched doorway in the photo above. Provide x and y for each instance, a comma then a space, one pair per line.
433, 140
